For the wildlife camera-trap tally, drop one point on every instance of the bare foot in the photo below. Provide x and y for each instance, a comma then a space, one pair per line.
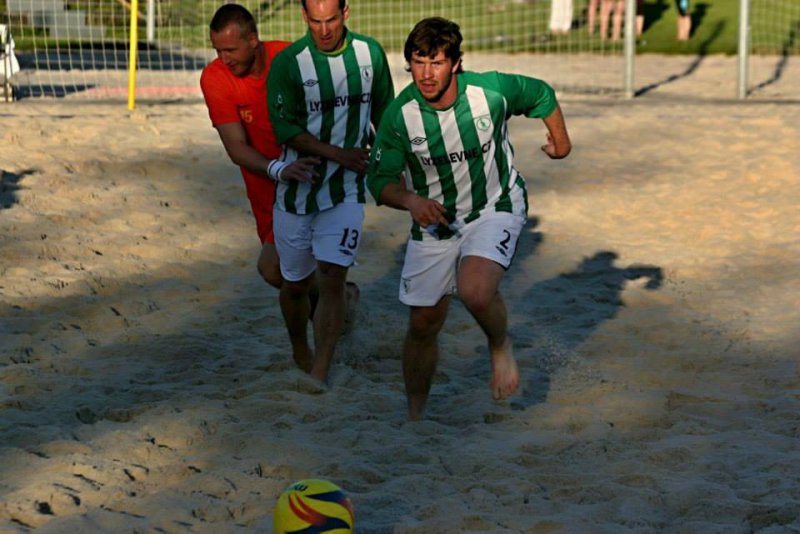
320, 375
505, 375
351, 296
303, 359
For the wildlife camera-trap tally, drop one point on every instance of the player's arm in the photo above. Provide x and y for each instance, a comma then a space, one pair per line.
558, 144
354, 159
382, 88
234, 139
423, 210
534, 98
384, 181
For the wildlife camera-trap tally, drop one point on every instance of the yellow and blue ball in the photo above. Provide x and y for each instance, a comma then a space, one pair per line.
313, 506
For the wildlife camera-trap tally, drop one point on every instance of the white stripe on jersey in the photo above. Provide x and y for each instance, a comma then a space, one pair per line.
364, 59
307, 72
412, 117
305, 63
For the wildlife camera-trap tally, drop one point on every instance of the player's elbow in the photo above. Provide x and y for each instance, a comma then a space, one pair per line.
562, 149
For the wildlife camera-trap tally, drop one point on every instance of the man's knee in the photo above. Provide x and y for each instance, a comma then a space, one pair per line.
426, 322
269, 266
477, 299
331, 276
296, 290
270, 273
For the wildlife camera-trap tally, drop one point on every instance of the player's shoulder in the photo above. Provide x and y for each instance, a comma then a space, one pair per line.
216, 70
406, 97
273, 47
285, 51
369, 40
502, 82
490, 77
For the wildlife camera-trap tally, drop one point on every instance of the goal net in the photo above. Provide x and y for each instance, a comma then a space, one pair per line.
79, 48
774, 45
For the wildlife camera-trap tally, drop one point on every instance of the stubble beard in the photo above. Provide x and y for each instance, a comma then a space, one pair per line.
440, 93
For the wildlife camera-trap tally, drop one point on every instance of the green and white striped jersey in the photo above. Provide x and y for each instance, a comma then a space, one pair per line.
333, 97
460, 156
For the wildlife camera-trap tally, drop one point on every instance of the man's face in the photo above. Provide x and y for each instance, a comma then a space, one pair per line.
326, 23
434, 78
236, 51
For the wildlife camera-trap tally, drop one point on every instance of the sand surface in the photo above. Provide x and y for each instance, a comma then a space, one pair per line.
145, 377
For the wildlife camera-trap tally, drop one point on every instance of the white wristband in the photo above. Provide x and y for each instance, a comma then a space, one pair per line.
275, 169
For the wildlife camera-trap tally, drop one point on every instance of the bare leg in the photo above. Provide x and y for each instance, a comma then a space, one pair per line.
639, 17
295, 309
591, 15
605, 15
270, 270
421, 353
478, 282
619, 12
329, 316
352, 295
684, 27
269, 266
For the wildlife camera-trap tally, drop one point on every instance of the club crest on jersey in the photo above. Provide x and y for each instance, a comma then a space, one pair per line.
280, 104
366, 72
310, 83
417, 141
483, 123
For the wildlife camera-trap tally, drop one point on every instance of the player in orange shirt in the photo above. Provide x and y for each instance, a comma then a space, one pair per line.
235, 91
234, 88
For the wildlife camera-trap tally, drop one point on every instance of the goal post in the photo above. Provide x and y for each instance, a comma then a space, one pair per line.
134, 45
743, 48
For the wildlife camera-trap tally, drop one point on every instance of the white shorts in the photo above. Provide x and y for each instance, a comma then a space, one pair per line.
431, 266
332, 235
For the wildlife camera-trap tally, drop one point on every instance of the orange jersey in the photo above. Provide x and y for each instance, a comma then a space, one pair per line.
229, 99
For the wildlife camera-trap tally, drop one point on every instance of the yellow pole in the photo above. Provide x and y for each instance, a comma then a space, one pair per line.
132, 63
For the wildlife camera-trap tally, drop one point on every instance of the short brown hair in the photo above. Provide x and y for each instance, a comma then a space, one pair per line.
233, 14
342, 4
433, 34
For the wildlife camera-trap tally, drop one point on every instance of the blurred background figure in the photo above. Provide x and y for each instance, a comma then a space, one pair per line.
613, 12
560, 16
609, 9
684, 20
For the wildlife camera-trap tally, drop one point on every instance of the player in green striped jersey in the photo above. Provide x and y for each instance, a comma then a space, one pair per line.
448, 132
326, 91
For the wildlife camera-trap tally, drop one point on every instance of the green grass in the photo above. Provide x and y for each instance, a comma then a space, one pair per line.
715, 27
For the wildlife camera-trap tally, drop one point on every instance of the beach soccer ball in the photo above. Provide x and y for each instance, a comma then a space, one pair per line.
313, 505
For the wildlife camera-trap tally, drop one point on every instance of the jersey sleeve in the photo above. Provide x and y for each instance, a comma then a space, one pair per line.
219, 101
527, 96
383, 93
285, 100
387, 159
